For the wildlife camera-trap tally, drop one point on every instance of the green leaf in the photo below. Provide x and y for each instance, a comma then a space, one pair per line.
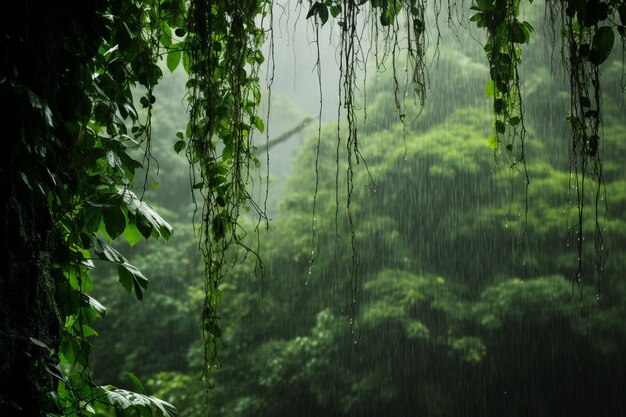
132, 403
602, 44
186, 62
385, 19
113, 159
174, 57
499, 105
213, 328
106, 252
312, 10
490, 88
93, 303
144, 228
143, 211
55, 371
478, 17
121, 399
484, 4
528, 30
102, 113
39, 343
114, 221
323, 13
258, 123
166, 409
132, 234
125, 278
86, 331
417, 330
493, 142
70, 348
136, 382
166, 34
319, 9
38, 103
517, 32
179, 146
92, 218
471, 349
131, 277
220, 225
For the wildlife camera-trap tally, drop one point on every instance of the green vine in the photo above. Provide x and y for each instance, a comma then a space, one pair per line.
352, 58
102, 207
589, 37
77, 158
222, 55
505, 34
72, 151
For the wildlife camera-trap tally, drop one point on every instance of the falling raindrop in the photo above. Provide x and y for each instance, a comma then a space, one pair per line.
434, 219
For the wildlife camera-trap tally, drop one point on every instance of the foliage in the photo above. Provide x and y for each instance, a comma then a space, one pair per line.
455, 315
505, 34
220, 49
174, 272
185, 390
589, 32
77, 142
77, 154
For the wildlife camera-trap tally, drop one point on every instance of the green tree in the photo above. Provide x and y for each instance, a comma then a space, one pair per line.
76, 140
454, 317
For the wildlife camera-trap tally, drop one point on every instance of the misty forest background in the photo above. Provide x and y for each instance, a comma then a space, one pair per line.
459, 312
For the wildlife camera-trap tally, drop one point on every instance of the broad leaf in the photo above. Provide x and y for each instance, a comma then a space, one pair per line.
174, 57
602, 45
140, 209
114, 221
95, 304
493, 142
137, 382
143, 405
132, 234
179, 146
131, 277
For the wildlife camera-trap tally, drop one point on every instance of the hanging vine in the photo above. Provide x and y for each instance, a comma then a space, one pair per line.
388, 17
505, 34
589, 37
222, 55
588, 31
68, 175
